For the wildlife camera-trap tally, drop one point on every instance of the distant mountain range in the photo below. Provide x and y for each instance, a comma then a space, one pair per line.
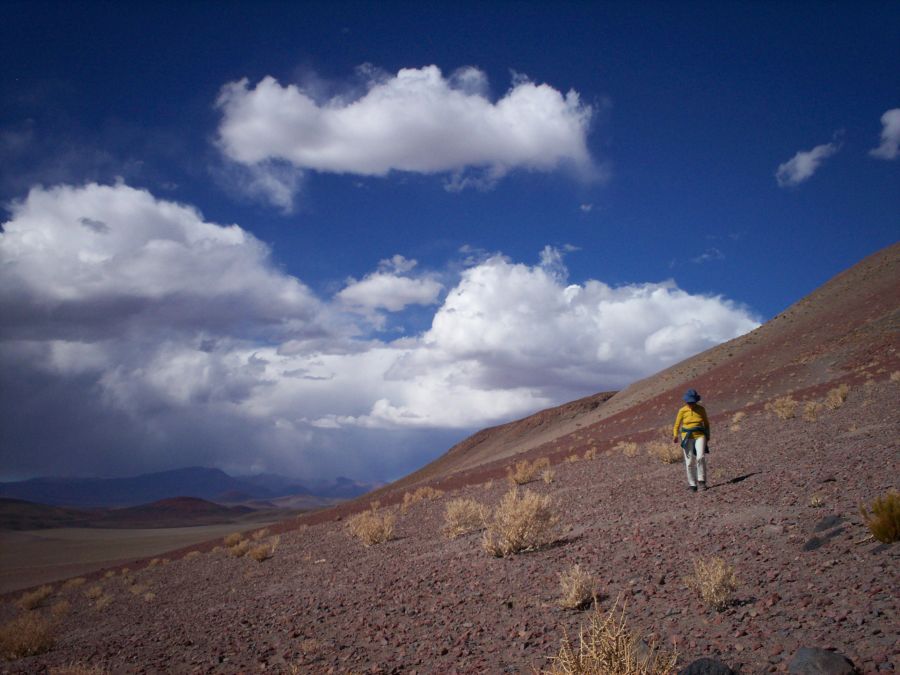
203, 483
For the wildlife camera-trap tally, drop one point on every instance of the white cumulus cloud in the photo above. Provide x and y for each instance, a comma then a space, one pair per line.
804, 164
417, 121
890, 136
136, 336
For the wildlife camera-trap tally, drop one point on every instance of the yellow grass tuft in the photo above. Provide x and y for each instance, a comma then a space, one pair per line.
462, 516
259, 535
149, 597
816, 501
835, 398
93, 592
239, 549
811, 410
138, 589
578, 588
265, 551
191, 555
607, 647
571, 459
547, 475
667, 453
372, 527
229, 541
60, 609
736, 420
783, 407
895, 376
26, 635
884, 521
627, 448
525, 471
33, 599
425, 492
73, 583
521, 522
715, 581
591, 453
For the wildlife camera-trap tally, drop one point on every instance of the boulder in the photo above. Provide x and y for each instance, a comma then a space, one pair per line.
706, 667
815, 661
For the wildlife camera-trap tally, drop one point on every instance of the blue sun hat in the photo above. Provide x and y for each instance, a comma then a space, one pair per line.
691, 396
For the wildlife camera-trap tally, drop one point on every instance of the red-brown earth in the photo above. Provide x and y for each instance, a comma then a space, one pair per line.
782, 509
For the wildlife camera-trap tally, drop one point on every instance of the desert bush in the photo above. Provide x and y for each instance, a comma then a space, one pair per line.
35, 597
138, 589
103, 602
835, 398
521, 522
607, 647
26, 635
155, 561
884, 521
265, 551
425, 492
811, 410
229, 541
667, 453
736, 420
783, 407
816, 501
149, 597
715, 581
895, 376
591, 453
191, 555
109, 574
73, 583
627, 448
372, 527
60, 609
578, 588
259, 535
547, 475
524, 471
93, 592
463, 516
239, 549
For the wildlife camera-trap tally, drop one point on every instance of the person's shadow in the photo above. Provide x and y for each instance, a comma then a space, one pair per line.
734, 481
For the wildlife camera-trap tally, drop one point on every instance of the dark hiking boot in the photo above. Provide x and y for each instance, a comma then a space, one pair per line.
703, 485
692, 488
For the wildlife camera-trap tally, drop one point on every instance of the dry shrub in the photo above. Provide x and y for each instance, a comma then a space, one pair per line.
835, 398
571, 459
103, 602
60, 609
521, 522
591, 453
524, 471
627, 448
895, 376
425, 492
547, 475
607, 647
578, 588
26, 635
265, 551
715, 581
191, 555
667, 453
138, 589
155, 561
783, 407
149, 597
811, 410
884, 521
816, 501
93, 592
35, 598
239, 549
736, 420
372, 527
73, 583
259, 535
109, 574
231, 540
463, 516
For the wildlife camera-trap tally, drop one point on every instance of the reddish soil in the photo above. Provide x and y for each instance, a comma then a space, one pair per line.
809, 575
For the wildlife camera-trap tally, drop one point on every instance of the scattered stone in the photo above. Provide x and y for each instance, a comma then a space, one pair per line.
815, 661
706, 666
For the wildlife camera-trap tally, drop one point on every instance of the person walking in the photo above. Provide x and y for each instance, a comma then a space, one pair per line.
692, 429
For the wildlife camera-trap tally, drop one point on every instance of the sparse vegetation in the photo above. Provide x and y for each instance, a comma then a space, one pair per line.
73, 583
191, 555
521, 522
884, 521
895, 376
571, 459
578, 588
239, 549
463, 516
715, 581
607, 647
138, 589
60, 608
783, 407
547, 475
229, 541
33, 599
816, 501
149, 597
265, 551
103, 602
259, 535
811, 410
26, 635
591, 453
425, 492
627, 448
525, 471
835, 398
736, 420
93, 592
667, 453
372, 527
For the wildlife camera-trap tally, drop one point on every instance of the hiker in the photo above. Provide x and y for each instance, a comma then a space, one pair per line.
692, 429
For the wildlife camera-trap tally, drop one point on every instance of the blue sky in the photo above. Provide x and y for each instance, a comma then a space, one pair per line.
335, 238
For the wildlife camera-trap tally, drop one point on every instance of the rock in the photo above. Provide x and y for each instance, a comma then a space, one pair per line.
706, 667
815, 661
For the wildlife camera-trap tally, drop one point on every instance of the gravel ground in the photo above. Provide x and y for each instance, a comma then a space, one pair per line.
808, 575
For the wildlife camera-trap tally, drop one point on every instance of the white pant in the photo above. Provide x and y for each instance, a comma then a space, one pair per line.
700, 447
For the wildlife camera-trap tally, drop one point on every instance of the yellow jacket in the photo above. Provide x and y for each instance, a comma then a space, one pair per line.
691, 415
